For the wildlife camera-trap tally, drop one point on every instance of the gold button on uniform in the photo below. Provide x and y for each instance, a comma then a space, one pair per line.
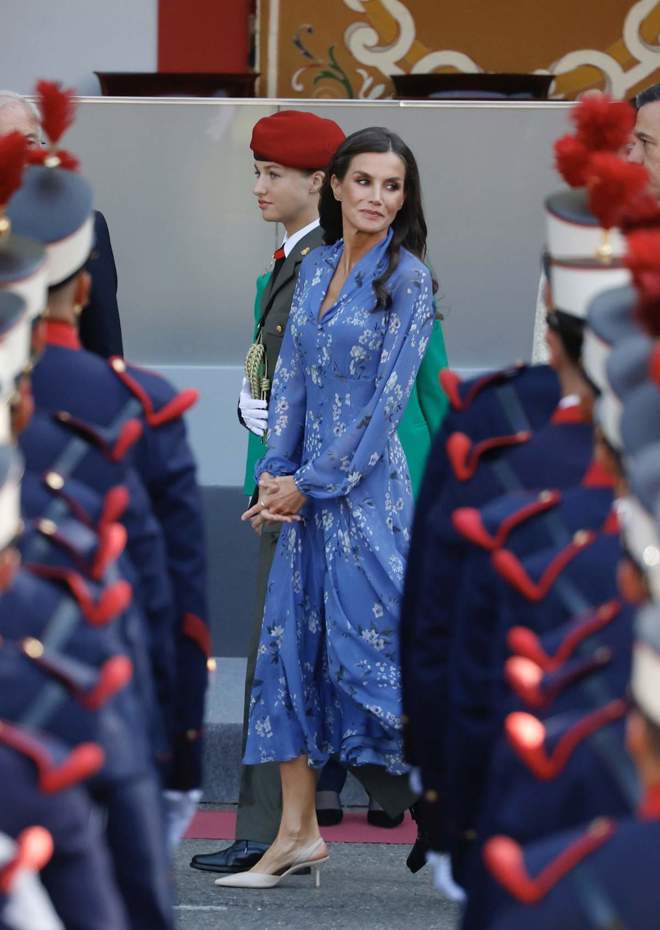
279, 328
33, 648
54, 481
47, 527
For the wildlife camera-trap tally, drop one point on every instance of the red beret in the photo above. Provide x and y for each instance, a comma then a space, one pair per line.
296, 139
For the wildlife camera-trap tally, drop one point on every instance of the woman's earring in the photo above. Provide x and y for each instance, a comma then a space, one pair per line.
77, 309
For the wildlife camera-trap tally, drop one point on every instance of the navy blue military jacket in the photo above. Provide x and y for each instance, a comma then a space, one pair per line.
602, 876
62, 458
69, 379
480, 474
41, 785
522, 397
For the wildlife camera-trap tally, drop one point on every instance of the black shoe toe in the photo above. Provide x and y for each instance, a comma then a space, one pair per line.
239, 857
381, 819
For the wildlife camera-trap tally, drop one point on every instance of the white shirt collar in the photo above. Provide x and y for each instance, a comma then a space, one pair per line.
292, 240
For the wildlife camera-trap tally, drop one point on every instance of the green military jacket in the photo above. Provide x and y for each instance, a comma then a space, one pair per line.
426, 406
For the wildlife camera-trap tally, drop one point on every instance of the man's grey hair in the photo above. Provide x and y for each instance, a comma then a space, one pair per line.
10, 98
650, 95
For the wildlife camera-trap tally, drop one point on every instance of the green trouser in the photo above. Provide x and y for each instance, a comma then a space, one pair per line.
260, 796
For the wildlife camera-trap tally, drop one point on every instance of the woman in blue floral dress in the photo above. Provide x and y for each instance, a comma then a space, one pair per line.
327, 681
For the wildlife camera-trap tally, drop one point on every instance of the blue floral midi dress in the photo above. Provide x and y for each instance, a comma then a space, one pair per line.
327, 680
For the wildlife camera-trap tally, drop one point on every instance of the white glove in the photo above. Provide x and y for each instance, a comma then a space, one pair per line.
253, 411
180, 808
443, 880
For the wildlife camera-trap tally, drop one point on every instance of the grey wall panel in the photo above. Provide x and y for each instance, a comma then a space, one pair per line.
174, 178
232, 560
69, 41
174, 181
219, 441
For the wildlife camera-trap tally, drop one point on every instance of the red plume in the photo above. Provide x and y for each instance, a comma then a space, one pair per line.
57, 109
612, 185
602, 124
13, 151
643, 252
642, 213
572, 160
643, 260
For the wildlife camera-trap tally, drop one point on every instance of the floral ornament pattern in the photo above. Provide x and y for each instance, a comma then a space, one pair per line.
329, 70
327, 681
374, 39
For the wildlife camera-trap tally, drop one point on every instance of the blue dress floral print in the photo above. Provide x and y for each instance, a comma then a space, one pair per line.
327, 680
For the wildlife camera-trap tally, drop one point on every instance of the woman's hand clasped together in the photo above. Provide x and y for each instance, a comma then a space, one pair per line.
279, 501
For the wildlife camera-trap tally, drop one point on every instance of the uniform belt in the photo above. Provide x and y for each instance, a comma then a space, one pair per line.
60, 626
514, 410
596, 903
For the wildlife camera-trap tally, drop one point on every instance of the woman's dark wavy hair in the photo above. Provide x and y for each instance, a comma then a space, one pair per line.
409, 226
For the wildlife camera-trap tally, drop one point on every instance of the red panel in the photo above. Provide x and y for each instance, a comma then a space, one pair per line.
203, 35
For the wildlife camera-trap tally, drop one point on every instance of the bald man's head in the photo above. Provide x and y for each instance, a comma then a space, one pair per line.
18, 115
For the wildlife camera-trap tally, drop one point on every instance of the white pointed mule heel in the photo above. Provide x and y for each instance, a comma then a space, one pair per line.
306, 858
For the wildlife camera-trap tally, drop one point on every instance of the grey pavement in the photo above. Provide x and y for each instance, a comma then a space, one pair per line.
363, 887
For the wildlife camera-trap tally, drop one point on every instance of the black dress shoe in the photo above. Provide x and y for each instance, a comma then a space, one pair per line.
239, 857
328, 809
377, 817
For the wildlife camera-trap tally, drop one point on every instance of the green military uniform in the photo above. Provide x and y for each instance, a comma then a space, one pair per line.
259, 805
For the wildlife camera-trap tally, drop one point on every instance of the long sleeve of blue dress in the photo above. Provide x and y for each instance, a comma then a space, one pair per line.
350, 457
344, 462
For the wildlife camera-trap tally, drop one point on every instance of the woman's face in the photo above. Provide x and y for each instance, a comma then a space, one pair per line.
284, 194
372, 191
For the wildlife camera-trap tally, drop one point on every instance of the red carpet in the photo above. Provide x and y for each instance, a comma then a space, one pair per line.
220, 825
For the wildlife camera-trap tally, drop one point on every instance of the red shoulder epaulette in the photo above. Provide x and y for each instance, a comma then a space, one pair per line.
525, 643
468, 522
115, 502
450, 383
113, 677
33, 850
174, 409
110, 543
129, 434
526, 736
464, 456
526, 678
504, 859
512, 570
90, 687
196, 630
80, 763
114, 600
